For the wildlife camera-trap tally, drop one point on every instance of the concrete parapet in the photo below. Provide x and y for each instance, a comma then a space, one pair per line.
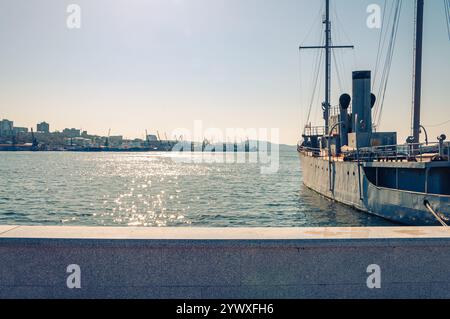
187, 263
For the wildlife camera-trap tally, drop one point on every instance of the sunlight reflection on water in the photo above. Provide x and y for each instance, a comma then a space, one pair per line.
153, 189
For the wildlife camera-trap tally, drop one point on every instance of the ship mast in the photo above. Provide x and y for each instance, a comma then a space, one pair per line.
418, 70
328, 47
326, 105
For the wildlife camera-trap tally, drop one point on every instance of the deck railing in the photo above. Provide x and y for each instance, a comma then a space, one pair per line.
419, 152
336, 110
311, 150
314, 131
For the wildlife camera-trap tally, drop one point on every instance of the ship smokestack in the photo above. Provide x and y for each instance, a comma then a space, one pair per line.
362, 101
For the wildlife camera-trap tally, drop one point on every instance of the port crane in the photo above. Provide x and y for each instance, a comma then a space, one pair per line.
33, 139
107, 138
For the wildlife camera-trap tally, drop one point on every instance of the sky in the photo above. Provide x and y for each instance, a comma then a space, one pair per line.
159, 65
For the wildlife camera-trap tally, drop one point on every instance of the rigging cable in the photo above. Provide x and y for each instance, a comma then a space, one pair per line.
338, 55
437, 125
386, 26
347, 38
320, 84
380, 41
338, 75
316, 73
316, 64
389, 58
313, 25
447, 15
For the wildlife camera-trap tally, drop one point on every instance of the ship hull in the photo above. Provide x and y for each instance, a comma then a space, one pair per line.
344, 183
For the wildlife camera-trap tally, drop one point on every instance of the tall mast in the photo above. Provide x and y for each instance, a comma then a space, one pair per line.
418, 70
326, 104
328, 47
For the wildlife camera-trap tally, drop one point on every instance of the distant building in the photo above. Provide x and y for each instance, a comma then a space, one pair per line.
133, 143
115, 140
78, 141
19, 130
136, 143
43, 127
6, 127
71, 132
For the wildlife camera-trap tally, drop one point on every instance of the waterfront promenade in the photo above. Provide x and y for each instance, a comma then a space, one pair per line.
101, 262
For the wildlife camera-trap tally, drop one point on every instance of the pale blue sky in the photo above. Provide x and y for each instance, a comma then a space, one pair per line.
161, 64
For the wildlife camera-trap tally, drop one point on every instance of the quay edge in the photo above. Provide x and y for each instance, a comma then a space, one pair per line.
241, 263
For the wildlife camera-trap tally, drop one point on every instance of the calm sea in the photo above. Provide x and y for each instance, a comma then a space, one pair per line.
156, 189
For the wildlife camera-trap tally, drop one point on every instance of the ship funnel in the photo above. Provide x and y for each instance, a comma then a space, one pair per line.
362, 101
344, 103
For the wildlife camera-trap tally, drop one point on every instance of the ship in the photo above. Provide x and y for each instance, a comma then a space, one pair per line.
346, 160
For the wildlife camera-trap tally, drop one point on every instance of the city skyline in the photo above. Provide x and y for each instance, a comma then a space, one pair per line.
161, 65
10, 132
8, 129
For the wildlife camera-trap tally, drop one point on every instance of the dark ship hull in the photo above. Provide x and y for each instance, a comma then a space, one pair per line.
402, 192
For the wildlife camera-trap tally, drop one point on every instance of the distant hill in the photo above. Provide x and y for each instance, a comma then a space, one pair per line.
285, 147
288, 148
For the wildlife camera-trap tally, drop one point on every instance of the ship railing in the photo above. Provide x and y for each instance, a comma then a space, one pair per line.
312, 151
417, 151
314, 131
336, 110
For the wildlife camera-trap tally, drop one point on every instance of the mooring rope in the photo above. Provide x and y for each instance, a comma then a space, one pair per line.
439, 219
